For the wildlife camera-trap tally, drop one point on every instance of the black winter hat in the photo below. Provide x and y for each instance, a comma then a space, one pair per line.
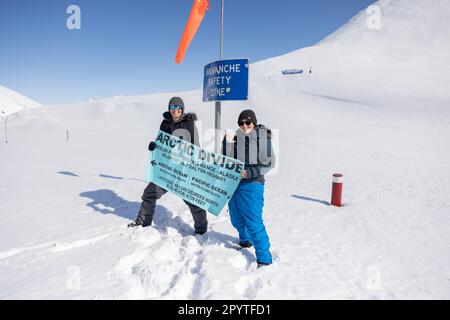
248, 115
176, 101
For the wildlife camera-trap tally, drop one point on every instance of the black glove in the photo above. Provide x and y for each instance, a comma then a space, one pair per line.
152, 146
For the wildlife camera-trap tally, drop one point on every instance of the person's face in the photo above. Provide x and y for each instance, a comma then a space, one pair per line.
175, 112
246, 126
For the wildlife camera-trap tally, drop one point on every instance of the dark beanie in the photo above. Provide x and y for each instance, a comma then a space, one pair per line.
248, 115
176, 101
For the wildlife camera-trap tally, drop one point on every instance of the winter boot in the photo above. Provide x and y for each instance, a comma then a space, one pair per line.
246, 244
133, 224
263, 264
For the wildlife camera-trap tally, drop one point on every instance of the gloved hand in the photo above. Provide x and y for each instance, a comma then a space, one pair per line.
152, 146
229, 136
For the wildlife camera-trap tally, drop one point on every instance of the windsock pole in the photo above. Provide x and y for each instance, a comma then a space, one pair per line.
218, 106
336, 192
6, 130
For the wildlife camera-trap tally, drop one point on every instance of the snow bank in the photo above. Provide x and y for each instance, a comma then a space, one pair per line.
11, 102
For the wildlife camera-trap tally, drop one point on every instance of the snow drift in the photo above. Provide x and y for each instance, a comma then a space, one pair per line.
405, 50
11, 101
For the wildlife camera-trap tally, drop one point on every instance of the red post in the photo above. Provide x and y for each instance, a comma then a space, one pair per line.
336, 192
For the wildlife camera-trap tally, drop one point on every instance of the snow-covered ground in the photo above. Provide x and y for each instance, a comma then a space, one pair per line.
375, 108
11, 102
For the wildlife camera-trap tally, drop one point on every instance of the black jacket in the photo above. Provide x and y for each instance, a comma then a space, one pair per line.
254, 150
184, 128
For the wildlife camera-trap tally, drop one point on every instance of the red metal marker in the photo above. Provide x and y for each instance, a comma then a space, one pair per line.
336, 193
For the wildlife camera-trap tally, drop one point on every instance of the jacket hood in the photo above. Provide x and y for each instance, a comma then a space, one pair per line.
185, 117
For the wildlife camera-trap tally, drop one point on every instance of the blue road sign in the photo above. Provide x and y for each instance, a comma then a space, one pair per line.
226, 80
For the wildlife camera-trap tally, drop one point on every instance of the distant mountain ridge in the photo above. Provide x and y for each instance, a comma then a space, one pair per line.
12, 102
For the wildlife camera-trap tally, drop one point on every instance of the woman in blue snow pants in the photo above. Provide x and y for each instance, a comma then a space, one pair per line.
252, 145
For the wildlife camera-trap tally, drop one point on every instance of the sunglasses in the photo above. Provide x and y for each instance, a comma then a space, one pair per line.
171, 108
248, 122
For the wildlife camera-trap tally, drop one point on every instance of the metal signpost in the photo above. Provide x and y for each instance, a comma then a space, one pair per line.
218, 103
224, 80
3, 115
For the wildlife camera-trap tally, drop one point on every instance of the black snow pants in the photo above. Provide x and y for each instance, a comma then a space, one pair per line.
154, 192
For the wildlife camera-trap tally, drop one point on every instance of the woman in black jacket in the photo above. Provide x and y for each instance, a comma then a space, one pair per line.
177, 123
252, 145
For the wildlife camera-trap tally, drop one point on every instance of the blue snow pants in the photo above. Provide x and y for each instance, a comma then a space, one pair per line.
246, 207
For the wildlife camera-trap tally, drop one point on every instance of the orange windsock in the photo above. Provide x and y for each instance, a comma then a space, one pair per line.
195, 19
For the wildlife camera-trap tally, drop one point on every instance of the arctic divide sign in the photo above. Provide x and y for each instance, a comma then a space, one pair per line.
226, 80
200, 177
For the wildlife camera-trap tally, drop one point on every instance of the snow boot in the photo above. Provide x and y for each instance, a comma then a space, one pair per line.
133, 224
246, 244
263, 264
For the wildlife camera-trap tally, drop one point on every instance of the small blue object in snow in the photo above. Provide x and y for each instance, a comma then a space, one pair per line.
292, 71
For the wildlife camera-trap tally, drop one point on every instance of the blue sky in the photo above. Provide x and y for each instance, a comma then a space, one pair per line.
127, 47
